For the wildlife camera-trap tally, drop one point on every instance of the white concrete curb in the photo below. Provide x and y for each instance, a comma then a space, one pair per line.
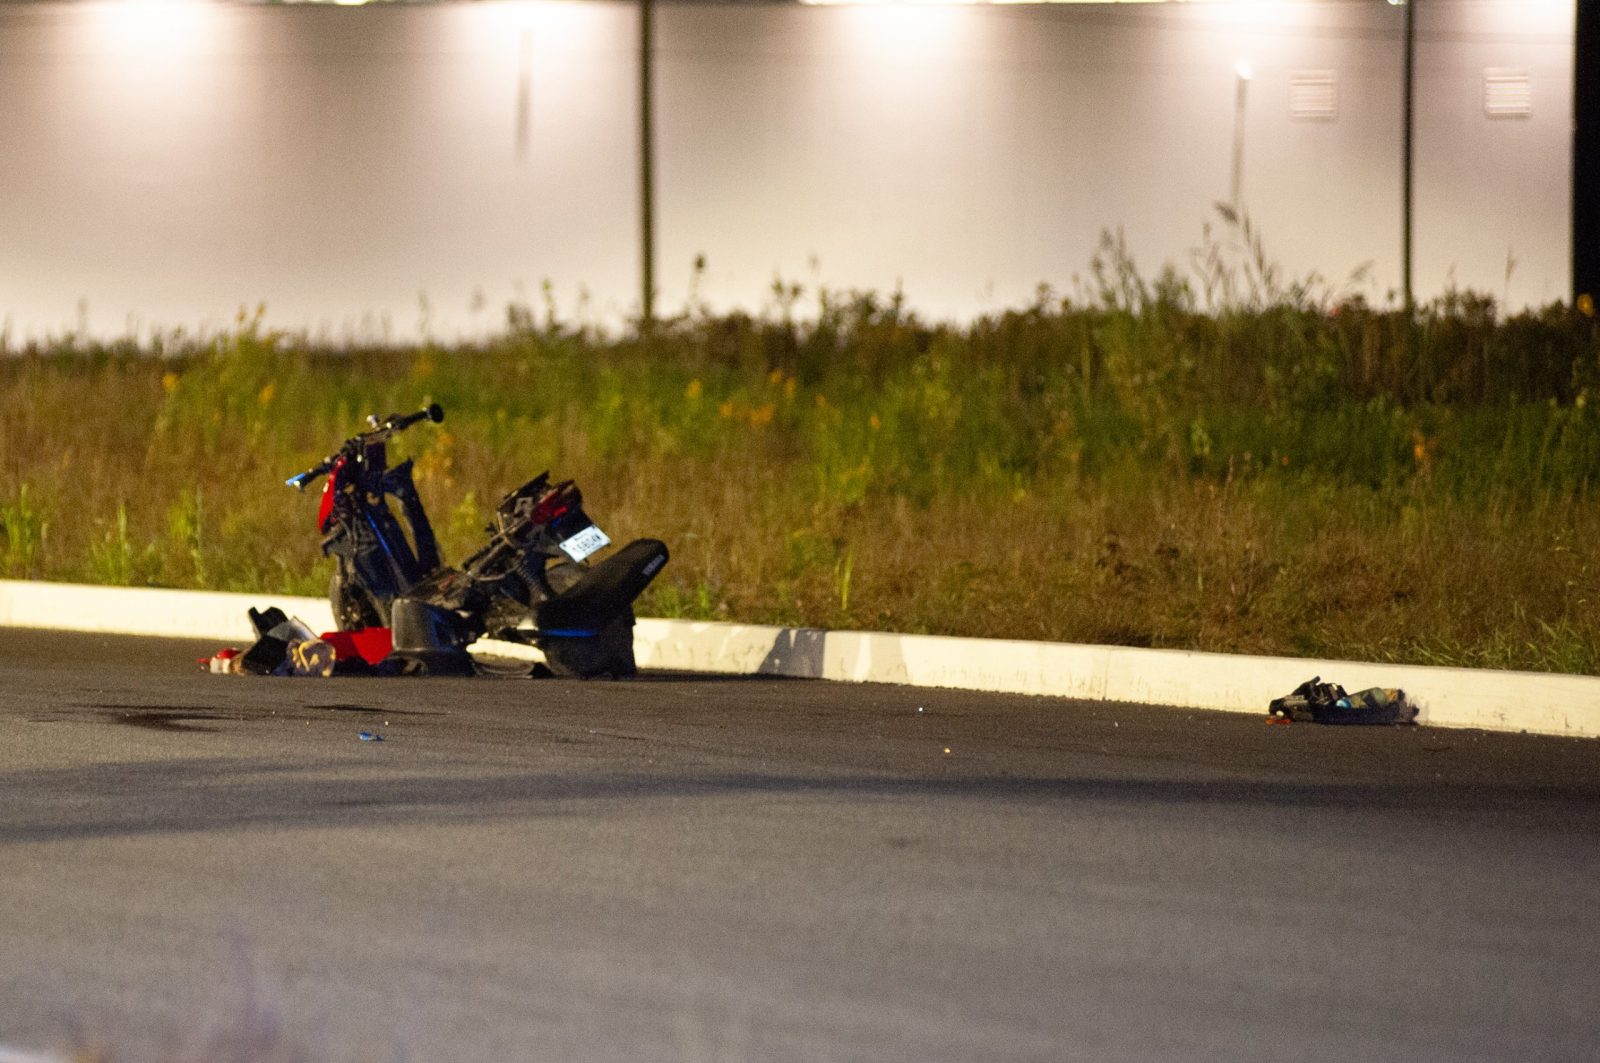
1535, 702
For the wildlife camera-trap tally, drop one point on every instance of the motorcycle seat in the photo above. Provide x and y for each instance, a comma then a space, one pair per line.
604, 592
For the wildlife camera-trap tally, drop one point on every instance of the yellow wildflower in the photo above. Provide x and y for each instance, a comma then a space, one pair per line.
1421, 448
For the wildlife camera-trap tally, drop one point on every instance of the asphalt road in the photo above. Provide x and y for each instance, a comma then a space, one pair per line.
716, 870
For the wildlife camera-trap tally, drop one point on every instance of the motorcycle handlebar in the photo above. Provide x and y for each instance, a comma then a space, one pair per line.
298, 482
395, 422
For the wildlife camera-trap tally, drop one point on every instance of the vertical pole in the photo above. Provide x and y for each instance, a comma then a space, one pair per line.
1236, 185
647, 206
524, 92
1586, 154
1407, 190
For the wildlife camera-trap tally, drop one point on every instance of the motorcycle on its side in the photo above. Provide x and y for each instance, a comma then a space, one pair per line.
534, 582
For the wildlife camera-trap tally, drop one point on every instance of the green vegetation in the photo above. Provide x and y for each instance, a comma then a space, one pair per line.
1235, 462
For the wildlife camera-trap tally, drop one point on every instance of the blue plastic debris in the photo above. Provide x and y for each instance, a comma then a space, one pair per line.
368, 736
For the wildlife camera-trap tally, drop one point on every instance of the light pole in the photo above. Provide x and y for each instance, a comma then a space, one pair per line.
1586, 156
1406, 193
647, 206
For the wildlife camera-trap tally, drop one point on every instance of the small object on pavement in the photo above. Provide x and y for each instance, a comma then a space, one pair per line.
223, 662
286, 645
311, 657
369, 644
369, 736
265, 656
1317, 702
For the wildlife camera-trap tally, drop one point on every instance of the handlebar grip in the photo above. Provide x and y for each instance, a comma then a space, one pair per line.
434, 412
299, 480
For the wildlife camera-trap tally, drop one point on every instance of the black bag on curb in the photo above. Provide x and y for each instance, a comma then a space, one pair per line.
1317, 702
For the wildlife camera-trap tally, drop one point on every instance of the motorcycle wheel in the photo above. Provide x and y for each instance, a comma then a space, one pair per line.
353, 607
609, 652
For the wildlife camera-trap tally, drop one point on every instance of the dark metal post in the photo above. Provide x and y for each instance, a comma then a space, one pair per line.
1586, 153
1407, 156
647, 194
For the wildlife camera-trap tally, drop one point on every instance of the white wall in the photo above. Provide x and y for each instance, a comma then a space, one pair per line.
1490, 189
169, 164
176, 162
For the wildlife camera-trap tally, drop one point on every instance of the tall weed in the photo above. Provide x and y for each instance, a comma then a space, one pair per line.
25, 528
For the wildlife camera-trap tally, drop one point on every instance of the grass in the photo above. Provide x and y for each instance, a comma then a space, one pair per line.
1236, 461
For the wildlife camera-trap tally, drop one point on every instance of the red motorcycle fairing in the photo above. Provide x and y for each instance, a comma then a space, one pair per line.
329, 490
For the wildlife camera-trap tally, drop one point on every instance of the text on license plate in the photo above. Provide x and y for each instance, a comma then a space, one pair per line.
585, 543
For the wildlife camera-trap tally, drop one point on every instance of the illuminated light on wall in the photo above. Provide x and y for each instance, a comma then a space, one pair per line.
557, 19
909, 30
1244, 70
150, 26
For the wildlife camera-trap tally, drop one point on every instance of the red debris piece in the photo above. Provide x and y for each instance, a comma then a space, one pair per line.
223, 662
371, 644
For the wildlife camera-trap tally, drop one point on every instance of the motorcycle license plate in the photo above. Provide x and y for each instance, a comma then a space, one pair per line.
584, 543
